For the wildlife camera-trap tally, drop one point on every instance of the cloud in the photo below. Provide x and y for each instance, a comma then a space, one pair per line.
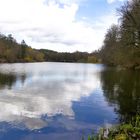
50, 24
44, 91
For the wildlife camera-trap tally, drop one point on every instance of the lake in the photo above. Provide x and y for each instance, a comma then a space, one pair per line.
64, 101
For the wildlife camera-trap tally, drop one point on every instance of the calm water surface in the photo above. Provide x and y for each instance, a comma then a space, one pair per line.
63, 101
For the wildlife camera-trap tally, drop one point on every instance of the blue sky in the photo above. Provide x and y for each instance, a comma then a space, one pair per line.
96, 8
61, 25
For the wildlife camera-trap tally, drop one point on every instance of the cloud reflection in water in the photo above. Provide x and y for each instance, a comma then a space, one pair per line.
47, 89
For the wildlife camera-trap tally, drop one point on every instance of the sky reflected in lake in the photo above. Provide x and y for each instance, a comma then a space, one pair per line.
52, 101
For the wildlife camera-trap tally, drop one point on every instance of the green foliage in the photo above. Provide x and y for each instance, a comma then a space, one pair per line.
92, 59
126, 131
80, 57
122, 43
23, 49
11, 51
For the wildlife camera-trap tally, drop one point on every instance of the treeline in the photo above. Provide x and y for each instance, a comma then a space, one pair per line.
11, 51
81, 57
122, 42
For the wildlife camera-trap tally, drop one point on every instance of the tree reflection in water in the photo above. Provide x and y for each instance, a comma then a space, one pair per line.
9, 79
122, 90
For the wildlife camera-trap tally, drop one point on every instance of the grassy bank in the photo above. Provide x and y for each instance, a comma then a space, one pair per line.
124, 131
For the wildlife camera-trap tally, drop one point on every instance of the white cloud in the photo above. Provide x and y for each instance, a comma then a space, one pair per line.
49, 24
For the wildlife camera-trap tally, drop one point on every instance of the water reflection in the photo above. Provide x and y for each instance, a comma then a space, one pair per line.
44, 90
63, 101
122, 90
7, 80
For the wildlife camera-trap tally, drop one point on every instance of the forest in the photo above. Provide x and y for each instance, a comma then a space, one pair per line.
11, 51
122, 42
79, 57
